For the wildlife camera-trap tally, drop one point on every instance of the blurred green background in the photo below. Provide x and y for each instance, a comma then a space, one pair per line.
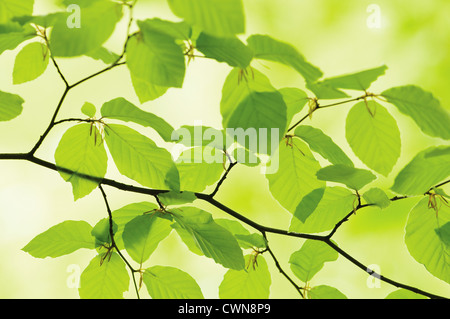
334, 35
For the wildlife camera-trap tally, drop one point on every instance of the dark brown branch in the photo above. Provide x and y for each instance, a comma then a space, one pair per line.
224, 177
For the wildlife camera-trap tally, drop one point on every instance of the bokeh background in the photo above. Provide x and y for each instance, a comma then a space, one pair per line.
334, 35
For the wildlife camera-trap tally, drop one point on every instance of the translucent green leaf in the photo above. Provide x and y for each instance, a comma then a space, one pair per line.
104, 278
147, 91
295, 174
425, 170
154, 57
177, 198
97, 22
14, 8
354, 178
81, 151
170, 283
215, 17
404, 294
267, 48
322, 144
88, 109
140, 159
325, 292
191, 136
444, 233
229, 50
213, 240
324, 91
422, 107
295, 100
103, 54
31, 62
12, 34
373, 135
61, 239
243, 236
335, 204
310, 258
198, 169
176, 30
376, 196
142, 235
121, 109
250, 283
356, 81
423, 243
308, 204
10, 106
102, 231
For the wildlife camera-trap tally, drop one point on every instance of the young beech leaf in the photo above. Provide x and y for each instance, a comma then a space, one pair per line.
13, 8
97, 23
422, 107
267, 48
295, 100
404, 294
243, 236
170, 283
354, 178
212, 240
10, 106
325, 292
376, 196
61, 239
142, 235
215, 17
139, 158
322, 144
82, 152
251, 283
102, 231
121, 109
106, 277
31, 62
356, 81
423, 242
425, 170
295, 175
88, 109
13, 34
310, 258
230, 50
373, 135
309, 204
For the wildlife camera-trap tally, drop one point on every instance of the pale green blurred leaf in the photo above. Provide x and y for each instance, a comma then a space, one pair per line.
10, 106
404, 294
14, 8
376, 196
31, 62
325, 292
354, 178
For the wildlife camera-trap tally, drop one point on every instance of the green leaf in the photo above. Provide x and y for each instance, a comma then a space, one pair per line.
357, 81
10, 106
12, 34
61, 239
325, 292
154, 57
267, 48
121, 109
425, 170
373, 135
295, 100
171, 283
147, 91
229, 50
97, 23
177, 198
376, 196
444, 233
243, 236
31, 62
325, 92
423, 243
213, 240
309, 204
422, 107
191, 136
404, 294
102, 232
176, 30
250, 283
13, 8
310, 258
142, 235
104, 280
198, 170
82, 152
335, 204
88, 109
295, 174
215, 17
322, 144
354, 178
103, 54
140, 159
